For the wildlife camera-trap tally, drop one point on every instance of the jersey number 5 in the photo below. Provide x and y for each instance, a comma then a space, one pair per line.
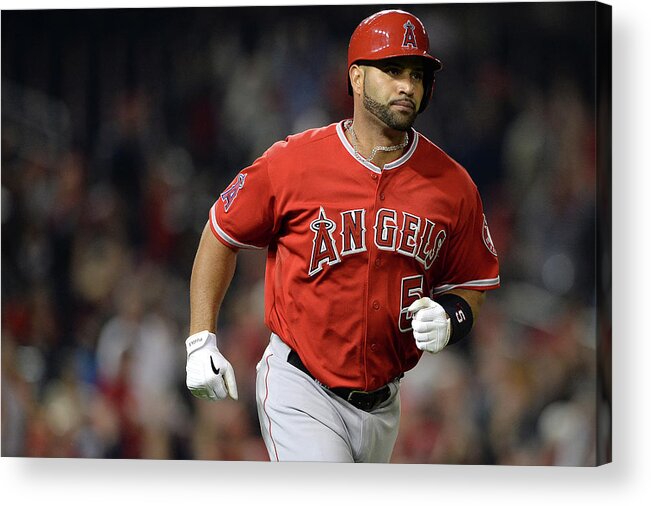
410, 291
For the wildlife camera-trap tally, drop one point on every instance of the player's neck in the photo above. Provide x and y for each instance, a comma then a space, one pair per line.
370, 138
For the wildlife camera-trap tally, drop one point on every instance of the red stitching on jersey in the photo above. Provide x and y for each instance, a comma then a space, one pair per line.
264, 405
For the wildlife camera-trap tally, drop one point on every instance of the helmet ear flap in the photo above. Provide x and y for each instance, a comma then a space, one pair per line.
429, 91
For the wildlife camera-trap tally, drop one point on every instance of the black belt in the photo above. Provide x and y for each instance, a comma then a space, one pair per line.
366, 401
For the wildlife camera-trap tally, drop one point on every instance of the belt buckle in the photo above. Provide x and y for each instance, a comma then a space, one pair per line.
365, 401
353, 392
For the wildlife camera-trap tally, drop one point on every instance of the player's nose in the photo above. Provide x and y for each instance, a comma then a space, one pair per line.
406, 85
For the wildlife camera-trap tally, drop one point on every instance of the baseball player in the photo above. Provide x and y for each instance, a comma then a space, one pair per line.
378, 251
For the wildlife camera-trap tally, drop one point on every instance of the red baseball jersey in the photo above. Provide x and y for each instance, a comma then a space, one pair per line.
351, 246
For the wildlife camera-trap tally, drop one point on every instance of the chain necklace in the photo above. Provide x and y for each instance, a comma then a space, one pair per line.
374, 151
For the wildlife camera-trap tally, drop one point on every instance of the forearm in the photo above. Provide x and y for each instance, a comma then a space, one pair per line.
212, 272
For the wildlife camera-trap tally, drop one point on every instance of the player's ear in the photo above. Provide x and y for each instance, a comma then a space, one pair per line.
356, 76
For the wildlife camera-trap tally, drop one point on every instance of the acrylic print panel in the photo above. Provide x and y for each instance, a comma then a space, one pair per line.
122, 127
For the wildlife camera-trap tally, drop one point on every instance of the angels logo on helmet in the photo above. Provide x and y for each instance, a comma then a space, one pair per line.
409, 39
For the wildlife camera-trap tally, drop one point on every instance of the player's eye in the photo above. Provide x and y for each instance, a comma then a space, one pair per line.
417, 75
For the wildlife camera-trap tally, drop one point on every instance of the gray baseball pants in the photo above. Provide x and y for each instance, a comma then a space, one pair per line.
301, 420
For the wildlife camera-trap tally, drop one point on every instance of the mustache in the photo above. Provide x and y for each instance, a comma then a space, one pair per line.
402, 100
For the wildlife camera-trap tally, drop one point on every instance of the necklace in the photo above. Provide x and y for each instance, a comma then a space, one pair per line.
349, 126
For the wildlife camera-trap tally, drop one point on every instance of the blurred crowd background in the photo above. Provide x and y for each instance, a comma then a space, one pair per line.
121, 127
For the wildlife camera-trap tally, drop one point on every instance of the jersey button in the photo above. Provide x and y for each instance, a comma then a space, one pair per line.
376, 305
373, 347
374, 176
381, 196
378, 262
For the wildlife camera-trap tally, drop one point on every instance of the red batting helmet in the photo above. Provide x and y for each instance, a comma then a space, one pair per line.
392, 33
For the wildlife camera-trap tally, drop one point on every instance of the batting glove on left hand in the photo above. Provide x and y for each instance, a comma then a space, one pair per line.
431, 325
208, 374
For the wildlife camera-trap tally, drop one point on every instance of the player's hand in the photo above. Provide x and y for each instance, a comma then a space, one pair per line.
208, 374
431, 325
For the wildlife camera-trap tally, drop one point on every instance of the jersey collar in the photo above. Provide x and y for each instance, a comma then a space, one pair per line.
372, 166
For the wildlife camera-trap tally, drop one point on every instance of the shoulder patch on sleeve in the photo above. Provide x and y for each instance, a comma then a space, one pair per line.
230, 194
486, 235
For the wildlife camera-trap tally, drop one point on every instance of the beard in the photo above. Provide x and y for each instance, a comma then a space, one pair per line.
391, 119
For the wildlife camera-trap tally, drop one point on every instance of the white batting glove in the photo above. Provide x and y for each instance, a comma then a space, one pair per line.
431, 325
208, 374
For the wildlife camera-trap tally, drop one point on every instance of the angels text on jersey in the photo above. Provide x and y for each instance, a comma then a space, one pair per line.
403, 232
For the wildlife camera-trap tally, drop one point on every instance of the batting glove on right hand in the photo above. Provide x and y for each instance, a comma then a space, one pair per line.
208, 374
431, 325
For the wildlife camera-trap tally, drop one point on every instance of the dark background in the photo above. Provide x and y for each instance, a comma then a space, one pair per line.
121, 127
